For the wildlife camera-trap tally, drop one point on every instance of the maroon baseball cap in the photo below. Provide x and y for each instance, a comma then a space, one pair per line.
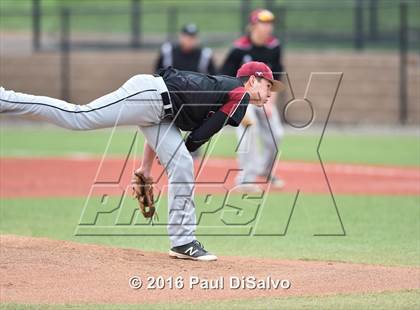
260, 69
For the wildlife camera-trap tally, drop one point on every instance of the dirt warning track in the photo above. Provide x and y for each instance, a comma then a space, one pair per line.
59, 177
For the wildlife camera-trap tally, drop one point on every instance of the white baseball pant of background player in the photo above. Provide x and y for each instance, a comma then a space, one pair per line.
253, 162
138, 102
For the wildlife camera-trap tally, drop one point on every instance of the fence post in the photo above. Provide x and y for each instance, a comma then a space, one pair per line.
358, 24
65, 54
373, 20
172, 23
280, 22
135, 23
403, 62
269, 4
245, 10
36, 25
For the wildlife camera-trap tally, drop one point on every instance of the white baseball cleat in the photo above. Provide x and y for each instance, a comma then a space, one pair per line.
277, 182
248, 188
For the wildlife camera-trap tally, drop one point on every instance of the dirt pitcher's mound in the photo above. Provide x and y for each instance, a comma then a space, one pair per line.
39, 270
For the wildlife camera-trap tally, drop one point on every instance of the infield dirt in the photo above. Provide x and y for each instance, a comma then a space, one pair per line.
40, 270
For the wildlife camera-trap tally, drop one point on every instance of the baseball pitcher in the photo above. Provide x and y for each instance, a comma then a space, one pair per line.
161, 106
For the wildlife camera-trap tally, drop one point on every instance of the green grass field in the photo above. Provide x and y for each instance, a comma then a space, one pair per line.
339, 147
380, 229
387, 300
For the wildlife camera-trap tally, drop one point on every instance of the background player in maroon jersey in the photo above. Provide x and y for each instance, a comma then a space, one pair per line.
258, 44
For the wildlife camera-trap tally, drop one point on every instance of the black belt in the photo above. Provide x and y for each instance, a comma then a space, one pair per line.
167, 104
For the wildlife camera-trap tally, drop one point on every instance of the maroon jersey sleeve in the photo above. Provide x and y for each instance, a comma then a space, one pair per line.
236, 105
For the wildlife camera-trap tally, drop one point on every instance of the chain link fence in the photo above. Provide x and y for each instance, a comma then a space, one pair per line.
75, 25
124, 24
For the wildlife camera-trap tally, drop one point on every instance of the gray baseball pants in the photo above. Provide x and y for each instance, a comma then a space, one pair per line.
138, 103
252, 161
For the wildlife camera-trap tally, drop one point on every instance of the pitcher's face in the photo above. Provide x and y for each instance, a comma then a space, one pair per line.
260, 91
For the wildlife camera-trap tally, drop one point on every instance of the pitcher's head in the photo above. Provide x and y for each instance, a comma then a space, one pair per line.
258, 81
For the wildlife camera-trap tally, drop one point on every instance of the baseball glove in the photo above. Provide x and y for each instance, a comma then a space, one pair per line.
143, 192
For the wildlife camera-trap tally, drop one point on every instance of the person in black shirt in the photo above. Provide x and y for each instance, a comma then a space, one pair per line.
187, 54
162, 105
258, 45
